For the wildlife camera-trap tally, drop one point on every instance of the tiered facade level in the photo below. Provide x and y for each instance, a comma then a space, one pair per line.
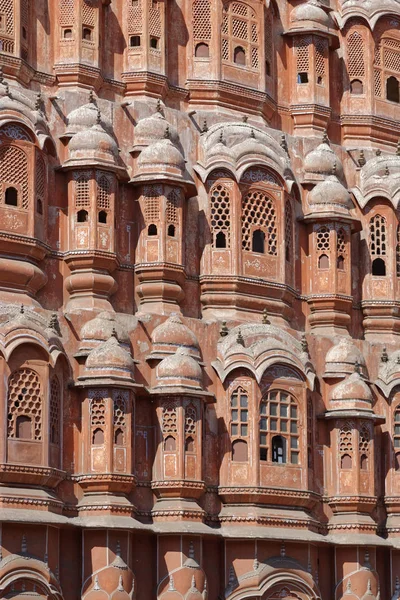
199, 299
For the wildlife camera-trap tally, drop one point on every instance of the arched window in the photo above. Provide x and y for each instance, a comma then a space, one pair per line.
170, 444
323, 261
11, 196
82, 216
239, 451
364, 438
152, 229
119, 437
220, 216
154, 42
258, 212
87, 34
377, 244
102, 216
341, 249
24, 400
356, 62
169, 426
258, 240
392, 89
279, 428
190, 428
239, 408
202, 51
171, 230
97, 419
396, 434
172, 213
189, 444
240, 37
201, 22
67, 33
356, 87
120, 404
346, 446
239, 56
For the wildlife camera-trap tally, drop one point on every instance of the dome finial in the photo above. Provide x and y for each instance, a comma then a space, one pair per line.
334, 168
398, 148
171, 587
158, 105
54, 324
387, 172
98, 117
1, 75
22, 309
252, 134
205, 126
361, 159
118, 547
325, 139
194, 583
38, 101
24, 545
304, 344
166, 133
284, 145
357, 367
91, 97
378, 152
115, 335
120, 584
265, 320
221, 137
384, 355
245, 118
223, 332
240, 339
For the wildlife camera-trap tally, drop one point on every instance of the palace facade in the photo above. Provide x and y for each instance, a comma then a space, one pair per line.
199, 299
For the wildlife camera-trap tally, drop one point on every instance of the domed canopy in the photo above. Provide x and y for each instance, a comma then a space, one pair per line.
82, 118
93, 145
180, 369
322, 161
342, 358
151, 129
110, 355
101, 329
171, 335
161, 155
352, 388
310, 11
329, 197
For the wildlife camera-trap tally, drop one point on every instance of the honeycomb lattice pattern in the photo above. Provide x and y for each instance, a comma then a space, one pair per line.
303, 54
377, 236
377, 53
240, 28
25, 398
172, 208
398, 252
66, 12
341, 243
258, 210
152, 210
288, 230
320, 53
346, 439
268, 38
391, 60
154, 19
98, 411
392, 44
55, 398
24, 18
363, 441
323, 239
135, 17
355, 55
88, 13
220, 212
377, 83
103, 192
82, 193
202, 20
7, 9
190, 420
120, 410
40, 177
14, 171
169, 419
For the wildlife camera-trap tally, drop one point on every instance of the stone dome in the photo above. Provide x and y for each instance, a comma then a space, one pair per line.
310, 11
330, 192
173, 334
110, 355
101, 328
93, 143
352, 388
179, 368
161, 154
322, 160
344, 352
151, 129
81, 118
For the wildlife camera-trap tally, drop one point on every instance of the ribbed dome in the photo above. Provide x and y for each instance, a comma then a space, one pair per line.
81, 118
152, 129
344, 352
109, 355
352, 388
101, 328
323, 161
161, 154
310, 11
368, 594
94, 142
173, 334
330, 192
179, 366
